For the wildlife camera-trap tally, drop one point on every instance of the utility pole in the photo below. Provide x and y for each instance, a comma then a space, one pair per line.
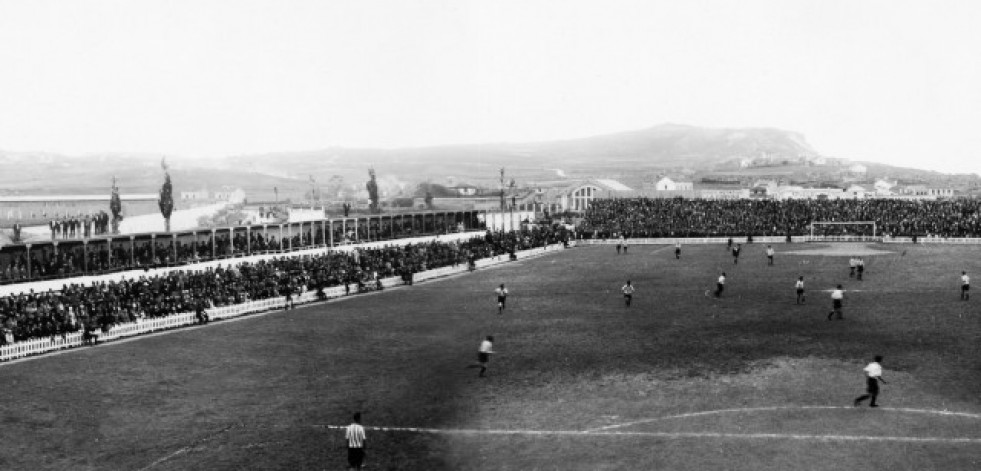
313, 191
502, 188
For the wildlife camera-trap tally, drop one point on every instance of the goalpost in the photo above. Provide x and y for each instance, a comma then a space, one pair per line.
817, 224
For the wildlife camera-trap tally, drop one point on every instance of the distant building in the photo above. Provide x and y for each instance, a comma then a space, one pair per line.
924, 192
883, 187
798, 192
858, 192
724, 193
913, 190
668, 184
463, 189
227, 193
571, 195
195, 195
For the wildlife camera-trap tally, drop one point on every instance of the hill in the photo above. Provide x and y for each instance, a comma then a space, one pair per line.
632, 156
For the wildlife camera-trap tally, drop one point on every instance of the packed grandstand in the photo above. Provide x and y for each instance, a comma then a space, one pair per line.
98, 307
658, 217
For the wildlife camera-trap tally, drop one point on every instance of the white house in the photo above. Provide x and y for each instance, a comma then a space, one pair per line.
463, 189
857, 191
858, 168
667, 184
798, 192
724, 193
884, 187
194, 195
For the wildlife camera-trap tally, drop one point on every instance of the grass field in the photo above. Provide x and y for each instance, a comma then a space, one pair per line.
677, 381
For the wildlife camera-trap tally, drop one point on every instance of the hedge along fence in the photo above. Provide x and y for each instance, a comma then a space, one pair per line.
145, 326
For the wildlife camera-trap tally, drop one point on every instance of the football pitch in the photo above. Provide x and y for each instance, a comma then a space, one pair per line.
677, 381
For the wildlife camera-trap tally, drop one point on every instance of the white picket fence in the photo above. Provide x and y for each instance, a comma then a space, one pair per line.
130, 329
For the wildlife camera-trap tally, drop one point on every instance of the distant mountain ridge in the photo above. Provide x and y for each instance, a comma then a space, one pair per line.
664, 146
629, 155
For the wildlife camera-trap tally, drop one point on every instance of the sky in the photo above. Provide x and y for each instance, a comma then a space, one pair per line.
886, 81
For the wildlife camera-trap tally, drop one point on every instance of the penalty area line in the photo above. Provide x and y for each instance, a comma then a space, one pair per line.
673, 435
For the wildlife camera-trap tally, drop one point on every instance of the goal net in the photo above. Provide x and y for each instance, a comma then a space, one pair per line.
844, 231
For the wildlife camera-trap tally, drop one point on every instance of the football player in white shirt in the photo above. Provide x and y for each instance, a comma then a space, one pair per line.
769, 255
873, 376
484, 352
502, 298
837, 296
354, 434
800, 290
720, 285
628, 292
965, 286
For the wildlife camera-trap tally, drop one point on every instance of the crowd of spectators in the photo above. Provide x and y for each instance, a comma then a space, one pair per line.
99, 306
84, 226
72, 258
676, 217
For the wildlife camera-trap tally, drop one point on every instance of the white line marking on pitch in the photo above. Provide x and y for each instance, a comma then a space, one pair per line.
587, 433
609, 429
763, 409
166, 458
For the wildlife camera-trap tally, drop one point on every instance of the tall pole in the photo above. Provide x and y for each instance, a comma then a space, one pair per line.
502, 189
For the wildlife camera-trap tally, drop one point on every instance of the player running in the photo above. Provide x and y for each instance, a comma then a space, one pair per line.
965, 286
720, 285
873, 376
484, 352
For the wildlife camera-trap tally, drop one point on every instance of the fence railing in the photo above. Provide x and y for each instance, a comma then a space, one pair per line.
144, 326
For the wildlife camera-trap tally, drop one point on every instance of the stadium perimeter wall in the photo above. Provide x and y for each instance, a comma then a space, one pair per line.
783, 240
131, 329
